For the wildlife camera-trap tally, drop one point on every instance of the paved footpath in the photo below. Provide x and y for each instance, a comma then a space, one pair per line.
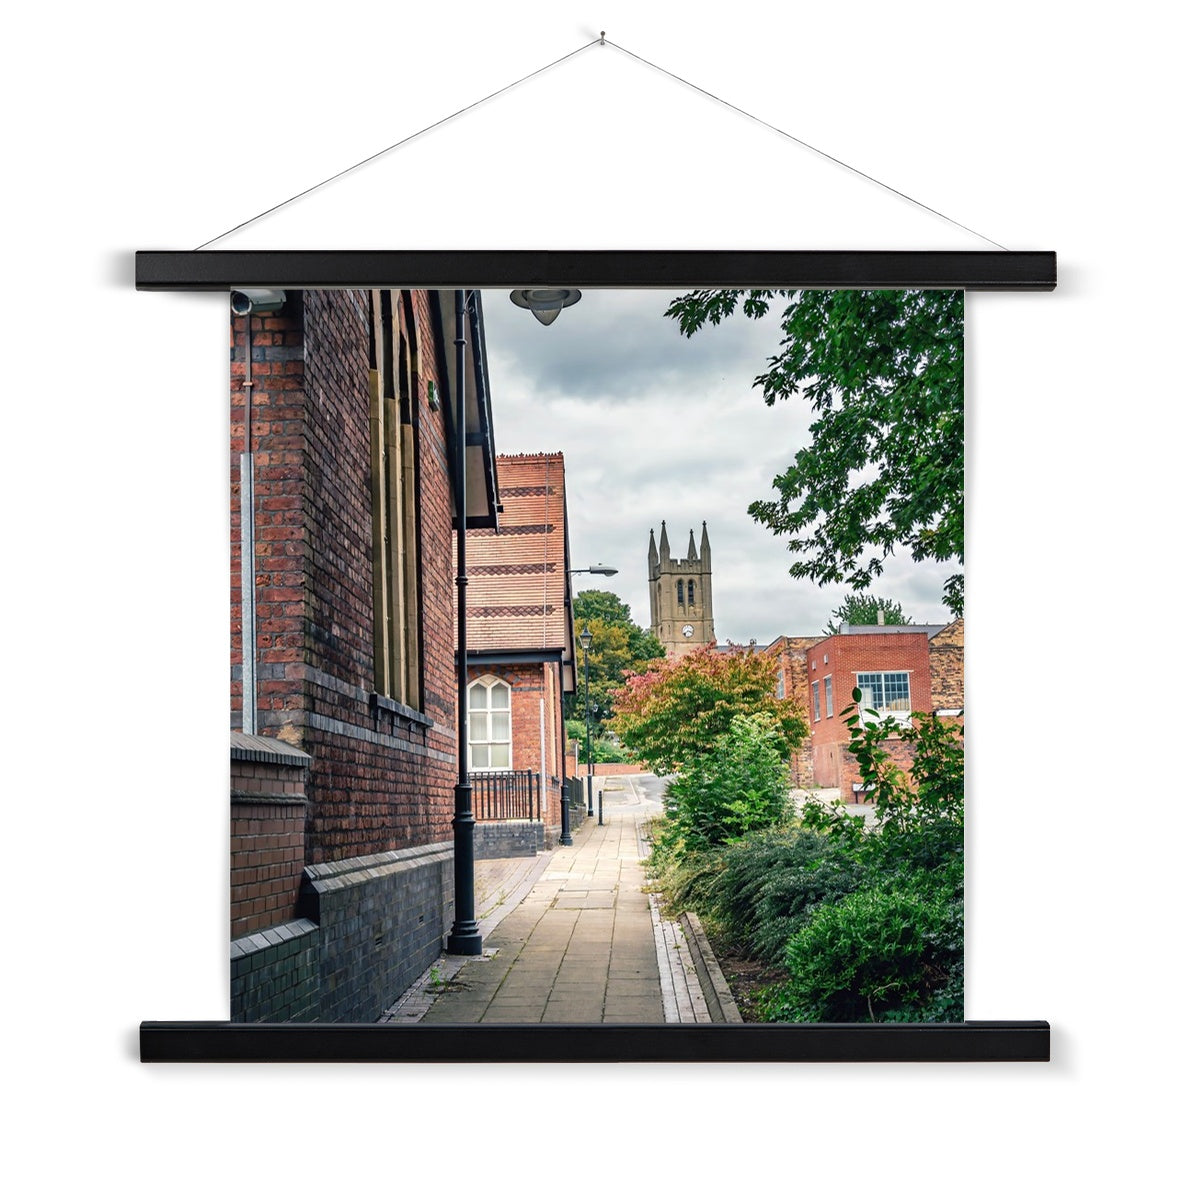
570, 935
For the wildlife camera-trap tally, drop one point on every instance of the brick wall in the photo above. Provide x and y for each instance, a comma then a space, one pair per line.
380, 922
509, 839
793, 667
379, 779
274, 974
536, 720
379, 789
841, 657
946, 666
266, 847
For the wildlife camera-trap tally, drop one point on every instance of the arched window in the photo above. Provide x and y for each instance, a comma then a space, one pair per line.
691, 592
679, 592
489, 724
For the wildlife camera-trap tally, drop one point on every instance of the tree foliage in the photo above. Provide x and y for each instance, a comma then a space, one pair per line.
674, 712
739, 785
861, 608
618, 647
883, 372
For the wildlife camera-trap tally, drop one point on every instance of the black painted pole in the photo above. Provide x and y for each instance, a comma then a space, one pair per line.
587, 716
464, 937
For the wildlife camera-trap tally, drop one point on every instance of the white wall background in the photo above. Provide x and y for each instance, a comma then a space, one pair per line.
1045, 125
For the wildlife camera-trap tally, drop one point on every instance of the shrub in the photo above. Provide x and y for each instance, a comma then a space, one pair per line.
685, 880
771, 883
737, 787
876, 955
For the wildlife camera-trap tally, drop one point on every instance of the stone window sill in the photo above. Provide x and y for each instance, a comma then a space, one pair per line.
396, 709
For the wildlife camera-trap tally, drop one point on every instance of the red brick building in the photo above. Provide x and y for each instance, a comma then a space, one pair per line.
520, 658
343, 689
895, 666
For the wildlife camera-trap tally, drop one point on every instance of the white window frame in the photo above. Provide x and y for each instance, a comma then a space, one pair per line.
829, 695
816, 707
483, 719
887, 682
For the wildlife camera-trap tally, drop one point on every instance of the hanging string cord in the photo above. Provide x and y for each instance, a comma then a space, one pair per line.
801, 142
396, 145
602, 40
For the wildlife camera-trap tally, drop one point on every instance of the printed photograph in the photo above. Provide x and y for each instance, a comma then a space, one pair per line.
596, 657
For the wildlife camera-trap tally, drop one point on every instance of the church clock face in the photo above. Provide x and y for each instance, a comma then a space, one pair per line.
688, 630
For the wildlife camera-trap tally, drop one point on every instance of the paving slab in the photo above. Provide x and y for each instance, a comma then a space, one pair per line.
571, 936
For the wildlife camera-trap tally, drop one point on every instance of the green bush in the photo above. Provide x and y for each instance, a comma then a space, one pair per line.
739, 786
772, 881
876, 955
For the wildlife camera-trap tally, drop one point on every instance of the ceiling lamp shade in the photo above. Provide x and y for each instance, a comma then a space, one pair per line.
545, 303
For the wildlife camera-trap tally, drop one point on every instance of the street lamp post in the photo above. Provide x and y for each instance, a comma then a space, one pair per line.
465, 935
585, 640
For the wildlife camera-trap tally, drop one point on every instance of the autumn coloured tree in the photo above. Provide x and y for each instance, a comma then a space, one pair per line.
675, 712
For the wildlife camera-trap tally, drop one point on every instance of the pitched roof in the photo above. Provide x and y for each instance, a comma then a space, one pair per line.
518, 585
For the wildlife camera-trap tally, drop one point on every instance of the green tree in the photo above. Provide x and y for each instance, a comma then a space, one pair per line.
861, 608
883, 372
618, 646
674, 712
738, 786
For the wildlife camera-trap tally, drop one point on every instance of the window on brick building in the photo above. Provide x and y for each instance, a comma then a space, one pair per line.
885, 692
816, 704
829, 695
391, 372
780, 685
489, 724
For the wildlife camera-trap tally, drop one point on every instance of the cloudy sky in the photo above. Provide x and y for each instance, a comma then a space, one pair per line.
657, 427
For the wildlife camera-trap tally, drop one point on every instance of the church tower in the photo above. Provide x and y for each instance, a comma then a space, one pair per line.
681, 593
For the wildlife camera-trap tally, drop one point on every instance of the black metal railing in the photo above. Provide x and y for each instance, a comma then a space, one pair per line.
506, 795
574, 791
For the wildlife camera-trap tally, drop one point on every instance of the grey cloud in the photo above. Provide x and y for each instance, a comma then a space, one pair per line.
654, 427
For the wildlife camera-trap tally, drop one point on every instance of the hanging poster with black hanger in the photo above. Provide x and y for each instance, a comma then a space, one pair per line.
597, 628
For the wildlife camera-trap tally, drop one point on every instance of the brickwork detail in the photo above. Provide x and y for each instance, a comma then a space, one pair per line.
946, 658
509, 839
381, 919
275, 974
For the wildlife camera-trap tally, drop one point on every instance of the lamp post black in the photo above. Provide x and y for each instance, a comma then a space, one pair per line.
465, 936
585, 640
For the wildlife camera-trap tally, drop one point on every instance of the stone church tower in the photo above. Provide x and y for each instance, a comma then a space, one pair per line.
681, 594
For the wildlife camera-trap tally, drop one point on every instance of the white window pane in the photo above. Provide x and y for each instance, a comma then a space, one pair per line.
478, 727
499, 697
478, 696
500, 727
479, 758
500, 758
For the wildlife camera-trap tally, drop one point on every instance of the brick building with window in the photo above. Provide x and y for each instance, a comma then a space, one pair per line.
895, 667
343, 686
521, 657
